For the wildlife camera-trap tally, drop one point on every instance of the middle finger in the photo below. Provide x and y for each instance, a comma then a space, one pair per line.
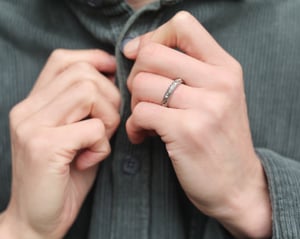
171, 63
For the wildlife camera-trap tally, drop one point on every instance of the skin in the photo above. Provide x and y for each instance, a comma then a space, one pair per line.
205, 129
54, 144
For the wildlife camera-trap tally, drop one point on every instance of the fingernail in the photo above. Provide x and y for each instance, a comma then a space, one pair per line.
124, 42
130, 45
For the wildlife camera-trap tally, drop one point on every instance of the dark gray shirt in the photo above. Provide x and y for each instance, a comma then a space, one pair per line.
136, 193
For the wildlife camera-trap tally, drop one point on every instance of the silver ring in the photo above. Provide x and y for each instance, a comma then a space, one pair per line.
170, 91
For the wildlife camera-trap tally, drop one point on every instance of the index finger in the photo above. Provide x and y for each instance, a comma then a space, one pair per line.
61, 59
184, 32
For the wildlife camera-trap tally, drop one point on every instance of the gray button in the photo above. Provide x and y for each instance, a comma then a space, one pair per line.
130, 165
94, 3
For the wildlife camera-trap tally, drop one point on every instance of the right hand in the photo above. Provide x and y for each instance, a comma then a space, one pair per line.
59, 134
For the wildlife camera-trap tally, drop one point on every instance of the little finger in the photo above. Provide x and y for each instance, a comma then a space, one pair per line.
149, 117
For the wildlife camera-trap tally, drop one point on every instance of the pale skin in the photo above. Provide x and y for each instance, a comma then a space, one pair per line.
205, 129
56, 152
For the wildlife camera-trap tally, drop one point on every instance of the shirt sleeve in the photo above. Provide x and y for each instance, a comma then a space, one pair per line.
283, 176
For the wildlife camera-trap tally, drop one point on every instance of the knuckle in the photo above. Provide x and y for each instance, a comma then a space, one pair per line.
31, 143
82, 67
23, 134
58, 54
115, 97
236, 90
216, 113
237, 67
136, 112
106, 150
95, 53
79, 72
85, 93
139, 112
116, 120
113, 122
197, 129
86, 87
137, 81
99, 126
182, 17
232, 84
207, 118
16, 114
147, 51
144, 40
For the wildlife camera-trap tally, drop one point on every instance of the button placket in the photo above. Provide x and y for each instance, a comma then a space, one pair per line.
130, 165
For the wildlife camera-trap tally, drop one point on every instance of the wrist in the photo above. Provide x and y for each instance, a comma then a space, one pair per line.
14, 228
4, 229
248, 212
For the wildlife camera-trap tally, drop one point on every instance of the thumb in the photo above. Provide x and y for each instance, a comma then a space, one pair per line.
130, 47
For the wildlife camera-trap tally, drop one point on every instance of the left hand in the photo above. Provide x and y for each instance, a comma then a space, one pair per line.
205, 128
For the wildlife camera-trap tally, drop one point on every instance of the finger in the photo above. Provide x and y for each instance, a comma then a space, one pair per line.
149, 87
85, 139
78, 102
194, 40
90, 157
76, 73
84, 71
171, 63
150, 117
61, 59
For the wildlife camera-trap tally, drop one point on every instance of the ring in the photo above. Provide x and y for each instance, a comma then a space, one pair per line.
170, 91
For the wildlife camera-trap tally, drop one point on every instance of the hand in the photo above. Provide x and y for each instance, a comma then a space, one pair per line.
205, 128
59, 134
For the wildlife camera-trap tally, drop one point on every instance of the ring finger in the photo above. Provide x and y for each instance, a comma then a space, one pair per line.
149, 87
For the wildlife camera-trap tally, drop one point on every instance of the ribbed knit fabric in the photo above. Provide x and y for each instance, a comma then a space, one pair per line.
136, 194
285, 193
